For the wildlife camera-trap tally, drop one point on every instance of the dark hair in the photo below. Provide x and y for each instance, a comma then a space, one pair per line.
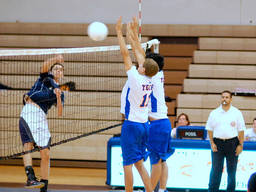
227, 91
254, 119
157, 58
56, 64
186, 116
68, 86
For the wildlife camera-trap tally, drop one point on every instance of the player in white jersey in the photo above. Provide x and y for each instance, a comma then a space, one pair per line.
123, 96
123, 99
159, 143
134, 129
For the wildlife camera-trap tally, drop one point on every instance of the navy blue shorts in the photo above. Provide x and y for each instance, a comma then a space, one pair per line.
133, 142
25, 134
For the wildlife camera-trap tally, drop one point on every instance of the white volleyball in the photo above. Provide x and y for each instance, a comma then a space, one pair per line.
97, 31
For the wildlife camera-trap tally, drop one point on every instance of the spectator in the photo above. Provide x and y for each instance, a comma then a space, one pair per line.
250, 134
182, 120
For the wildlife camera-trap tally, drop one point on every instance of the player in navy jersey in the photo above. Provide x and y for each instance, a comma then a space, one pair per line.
134, 129
33, 123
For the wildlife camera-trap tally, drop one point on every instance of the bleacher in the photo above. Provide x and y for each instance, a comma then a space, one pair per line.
220, 64
203, 63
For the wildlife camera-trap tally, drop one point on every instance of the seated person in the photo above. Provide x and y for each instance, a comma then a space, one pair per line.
250, 134
182, 120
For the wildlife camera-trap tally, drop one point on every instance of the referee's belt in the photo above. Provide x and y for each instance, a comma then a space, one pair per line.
222, 139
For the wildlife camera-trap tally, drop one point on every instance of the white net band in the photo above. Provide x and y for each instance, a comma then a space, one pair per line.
27, 52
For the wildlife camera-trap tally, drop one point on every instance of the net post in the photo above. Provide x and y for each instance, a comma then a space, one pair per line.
140, 15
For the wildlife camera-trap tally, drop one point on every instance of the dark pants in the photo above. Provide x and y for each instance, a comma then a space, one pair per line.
226, 148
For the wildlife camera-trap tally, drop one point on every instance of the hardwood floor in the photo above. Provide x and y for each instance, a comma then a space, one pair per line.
58, 175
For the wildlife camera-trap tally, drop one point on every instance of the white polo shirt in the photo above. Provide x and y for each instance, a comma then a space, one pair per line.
225, 124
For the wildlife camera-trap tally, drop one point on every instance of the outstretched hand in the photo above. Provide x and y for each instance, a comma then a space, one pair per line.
134, 25
132, 30
59, 59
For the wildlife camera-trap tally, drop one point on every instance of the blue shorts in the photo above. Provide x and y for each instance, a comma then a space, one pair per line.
133, 142
159, 141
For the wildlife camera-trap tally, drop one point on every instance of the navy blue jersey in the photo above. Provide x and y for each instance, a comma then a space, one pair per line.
42, 92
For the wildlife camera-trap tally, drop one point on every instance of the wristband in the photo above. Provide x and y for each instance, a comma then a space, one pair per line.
240, 144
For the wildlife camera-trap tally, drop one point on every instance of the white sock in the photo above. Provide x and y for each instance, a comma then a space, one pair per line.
161, 190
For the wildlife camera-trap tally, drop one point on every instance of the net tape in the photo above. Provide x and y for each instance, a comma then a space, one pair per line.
149, 44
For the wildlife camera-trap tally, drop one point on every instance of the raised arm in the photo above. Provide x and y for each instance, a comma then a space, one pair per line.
123, 48
132, 32
49, 62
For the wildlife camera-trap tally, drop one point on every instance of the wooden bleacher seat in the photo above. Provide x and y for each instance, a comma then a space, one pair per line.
174, 77
36, 41
222, 71
211, 101
216, 85
177, 63
148, 30
183, 50
217, 43
225, 57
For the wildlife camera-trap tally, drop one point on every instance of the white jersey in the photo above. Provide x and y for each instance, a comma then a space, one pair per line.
157, 105
137, 96
123, 97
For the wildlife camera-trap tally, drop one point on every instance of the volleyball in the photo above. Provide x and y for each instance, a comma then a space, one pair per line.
97, 31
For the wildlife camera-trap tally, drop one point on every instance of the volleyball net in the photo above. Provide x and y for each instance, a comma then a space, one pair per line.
94, 77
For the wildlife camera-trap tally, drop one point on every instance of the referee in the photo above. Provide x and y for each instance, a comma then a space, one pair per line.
225, 126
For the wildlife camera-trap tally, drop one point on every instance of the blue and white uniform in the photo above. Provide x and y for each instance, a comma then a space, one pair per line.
135, 127
33, 123
159, 142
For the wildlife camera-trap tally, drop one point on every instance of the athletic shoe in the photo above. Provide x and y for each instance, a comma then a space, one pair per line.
31, 184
